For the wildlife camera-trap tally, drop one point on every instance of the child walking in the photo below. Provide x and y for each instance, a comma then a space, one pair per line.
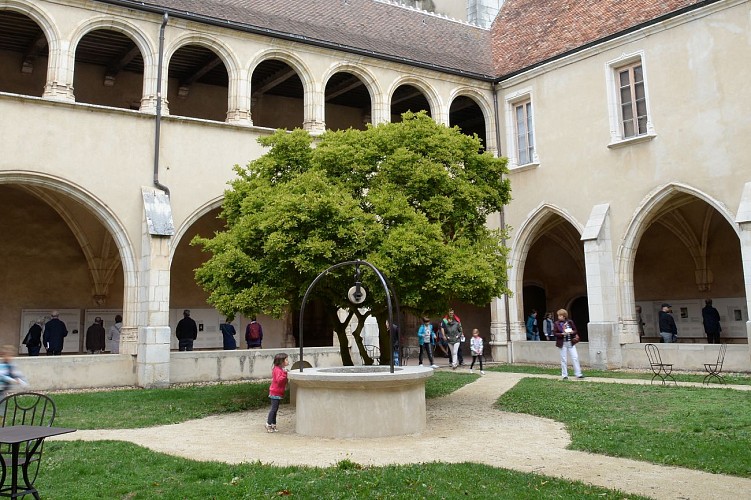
277, 388
476, 347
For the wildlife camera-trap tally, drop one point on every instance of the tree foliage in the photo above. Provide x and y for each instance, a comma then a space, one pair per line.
412, 198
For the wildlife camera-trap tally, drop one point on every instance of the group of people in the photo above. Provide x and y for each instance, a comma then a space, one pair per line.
540, 330
51, 335
448, 334
669, 331
187, 332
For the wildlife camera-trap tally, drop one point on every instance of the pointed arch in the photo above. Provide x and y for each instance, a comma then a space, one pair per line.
97, 207
190, 220
647, 211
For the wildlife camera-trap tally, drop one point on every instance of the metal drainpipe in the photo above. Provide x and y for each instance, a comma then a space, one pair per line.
502, 216
158, 127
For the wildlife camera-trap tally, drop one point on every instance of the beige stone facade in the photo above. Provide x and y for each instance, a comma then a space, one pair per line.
598, 223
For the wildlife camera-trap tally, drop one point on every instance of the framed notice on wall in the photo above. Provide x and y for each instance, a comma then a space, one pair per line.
71, 318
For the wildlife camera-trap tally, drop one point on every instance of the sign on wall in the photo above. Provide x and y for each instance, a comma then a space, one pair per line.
71, 318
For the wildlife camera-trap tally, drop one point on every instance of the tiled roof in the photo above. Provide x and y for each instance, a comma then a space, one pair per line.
528, 32
365, 26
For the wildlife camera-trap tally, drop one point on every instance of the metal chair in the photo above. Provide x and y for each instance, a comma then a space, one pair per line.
25, 408
714, 369
659, 369
374, 353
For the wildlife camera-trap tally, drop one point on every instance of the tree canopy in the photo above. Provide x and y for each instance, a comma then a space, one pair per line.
411, 197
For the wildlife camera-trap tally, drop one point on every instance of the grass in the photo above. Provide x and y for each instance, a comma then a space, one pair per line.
694, 427
707, 429
107, 469
730, 378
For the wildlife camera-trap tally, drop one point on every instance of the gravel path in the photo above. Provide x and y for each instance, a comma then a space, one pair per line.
509, 440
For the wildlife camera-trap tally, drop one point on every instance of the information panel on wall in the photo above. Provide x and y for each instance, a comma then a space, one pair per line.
71, 318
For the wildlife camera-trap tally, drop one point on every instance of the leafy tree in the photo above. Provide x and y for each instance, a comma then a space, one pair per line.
412, 198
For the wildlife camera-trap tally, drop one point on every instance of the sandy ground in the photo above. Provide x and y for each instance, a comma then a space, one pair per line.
508, 440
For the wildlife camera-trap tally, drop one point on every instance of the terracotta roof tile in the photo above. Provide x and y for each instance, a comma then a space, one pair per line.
528, 32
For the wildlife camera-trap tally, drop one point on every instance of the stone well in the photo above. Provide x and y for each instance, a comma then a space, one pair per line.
360, 401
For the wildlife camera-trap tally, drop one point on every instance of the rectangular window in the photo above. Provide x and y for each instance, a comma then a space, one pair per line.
525, 132
633, 101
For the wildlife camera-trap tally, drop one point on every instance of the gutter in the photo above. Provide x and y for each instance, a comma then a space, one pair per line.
502, 216
257, 30
158, 122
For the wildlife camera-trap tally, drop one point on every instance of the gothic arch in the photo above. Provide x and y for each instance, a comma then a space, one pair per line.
435, 103
190, 220
132, 31
44, 21
646, 212
97, 207
526, 236
301, 68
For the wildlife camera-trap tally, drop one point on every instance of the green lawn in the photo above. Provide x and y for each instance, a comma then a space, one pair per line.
707, 429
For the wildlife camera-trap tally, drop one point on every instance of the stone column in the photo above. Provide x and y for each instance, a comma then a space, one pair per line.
152, 347
602, 291
500, 347
59, 86
744, 222
238, 110
314, 110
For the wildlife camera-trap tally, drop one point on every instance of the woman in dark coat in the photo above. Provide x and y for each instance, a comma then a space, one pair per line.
33, 339
95, 336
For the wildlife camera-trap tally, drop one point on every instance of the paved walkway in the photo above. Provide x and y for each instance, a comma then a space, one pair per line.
508, 440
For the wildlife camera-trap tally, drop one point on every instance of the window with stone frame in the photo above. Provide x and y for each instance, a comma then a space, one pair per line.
524, 132
633, 100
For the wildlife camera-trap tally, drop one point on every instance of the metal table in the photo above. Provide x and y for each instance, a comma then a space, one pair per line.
14, 436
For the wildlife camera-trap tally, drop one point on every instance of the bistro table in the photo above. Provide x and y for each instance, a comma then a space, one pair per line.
15, 435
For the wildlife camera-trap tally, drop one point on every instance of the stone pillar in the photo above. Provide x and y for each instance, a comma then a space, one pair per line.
314, 110
238, 110
744, 222
500, 347
59, 86
153, 339
602, 291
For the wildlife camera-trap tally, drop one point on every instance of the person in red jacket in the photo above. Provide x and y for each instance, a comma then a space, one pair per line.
277, 388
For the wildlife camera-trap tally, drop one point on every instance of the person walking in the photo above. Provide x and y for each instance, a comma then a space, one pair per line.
95, 337
452, 329
228, 335
425, 338
566, 338
668, 330
476, 347
9, 374
186, 332
711, 320
55, 332
114, 335
277, 388
33, 339
254, 334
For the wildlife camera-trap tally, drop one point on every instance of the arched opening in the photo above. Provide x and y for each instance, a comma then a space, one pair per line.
408, 98
554, 272
277, 96
198, 84
466, 114
60, 257
348, 103
108, 70
23, 55
687, 253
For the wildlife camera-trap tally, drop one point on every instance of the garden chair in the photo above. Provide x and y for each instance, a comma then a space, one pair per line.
659, 369
374, 353
714, 369
25, 408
